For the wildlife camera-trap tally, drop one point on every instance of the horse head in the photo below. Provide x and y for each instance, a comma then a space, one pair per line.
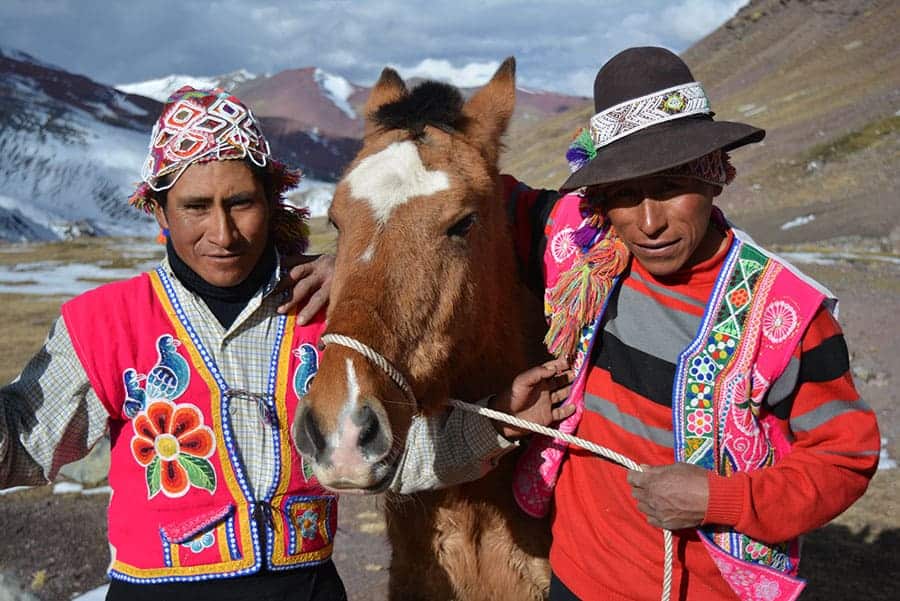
424, 271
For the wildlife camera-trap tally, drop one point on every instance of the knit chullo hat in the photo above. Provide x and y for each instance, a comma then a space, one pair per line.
652, 116
198, 126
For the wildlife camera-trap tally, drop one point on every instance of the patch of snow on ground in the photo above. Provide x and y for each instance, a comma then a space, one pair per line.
314, 194
884, 460
7, 491
98, 594
54, 278
140, 249
62, 488
803, 220
337, 89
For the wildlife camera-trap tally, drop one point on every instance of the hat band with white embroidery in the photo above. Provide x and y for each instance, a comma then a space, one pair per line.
639, 113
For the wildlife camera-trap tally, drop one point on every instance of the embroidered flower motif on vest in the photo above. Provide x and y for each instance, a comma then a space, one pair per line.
779, 321
309, 524
562, 245
173, 445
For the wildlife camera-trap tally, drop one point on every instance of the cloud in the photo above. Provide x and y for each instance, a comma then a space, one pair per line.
693, 19
467, 76
557, 45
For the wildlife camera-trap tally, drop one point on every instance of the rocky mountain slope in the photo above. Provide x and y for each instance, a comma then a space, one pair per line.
823, 78
70, 147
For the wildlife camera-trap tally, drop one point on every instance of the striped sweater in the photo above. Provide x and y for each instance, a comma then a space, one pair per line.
603, 547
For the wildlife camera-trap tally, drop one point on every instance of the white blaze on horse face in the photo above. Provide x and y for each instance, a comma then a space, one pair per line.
389, 178
344, 439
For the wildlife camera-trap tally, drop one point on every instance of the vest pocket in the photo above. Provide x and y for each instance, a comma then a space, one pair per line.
207, 538
310, 523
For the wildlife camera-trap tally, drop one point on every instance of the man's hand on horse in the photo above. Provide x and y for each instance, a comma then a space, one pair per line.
671, 496
536, 395
308, 277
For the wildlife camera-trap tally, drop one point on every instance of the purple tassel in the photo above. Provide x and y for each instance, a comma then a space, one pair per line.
577, 157
584, 236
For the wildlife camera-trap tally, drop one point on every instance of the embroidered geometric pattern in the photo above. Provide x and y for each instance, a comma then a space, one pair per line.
704, 366
201, 125
699, 420
633, 115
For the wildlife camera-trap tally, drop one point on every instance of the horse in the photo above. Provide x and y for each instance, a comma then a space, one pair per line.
426, 273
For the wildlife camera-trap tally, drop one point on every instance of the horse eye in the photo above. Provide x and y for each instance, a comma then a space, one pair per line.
462, 227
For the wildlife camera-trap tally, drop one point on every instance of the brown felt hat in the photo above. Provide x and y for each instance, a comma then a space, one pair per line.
651, 115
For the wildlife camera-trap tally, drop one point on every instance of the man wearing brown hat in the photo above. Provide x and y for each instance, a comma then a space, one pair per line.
697, 353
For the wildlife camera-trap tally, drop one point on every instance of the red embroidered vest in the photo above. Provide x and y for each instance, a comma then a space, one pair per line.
181, 507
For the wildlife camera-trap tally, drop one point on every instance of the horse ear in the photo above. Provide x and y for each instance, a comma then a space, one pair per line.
389, 88
491, 108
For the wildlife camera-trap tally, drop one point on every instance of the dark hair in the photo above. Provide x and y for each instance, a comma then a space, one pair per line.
262, 174
429, 103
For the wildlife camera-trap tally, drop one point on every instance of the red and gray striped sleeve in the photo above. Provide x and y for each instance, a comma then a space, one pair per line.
834, 450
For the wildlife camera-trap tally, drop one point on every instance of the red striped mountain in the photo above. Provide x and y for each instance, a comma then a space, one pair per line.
329, 105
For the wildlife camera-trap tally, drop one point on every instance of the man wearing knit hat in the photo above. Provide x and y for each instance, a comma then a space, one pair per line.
195, 373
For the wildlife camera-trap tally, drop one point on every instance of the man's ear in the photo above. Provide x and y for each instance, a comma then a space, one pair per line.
160, 213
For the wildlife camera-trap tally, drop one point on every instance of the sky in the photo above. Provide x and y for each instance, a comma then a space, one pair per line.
558, 45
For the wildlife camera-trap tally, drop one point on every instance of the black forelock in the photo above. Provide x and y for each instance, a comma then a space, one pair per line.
429, 103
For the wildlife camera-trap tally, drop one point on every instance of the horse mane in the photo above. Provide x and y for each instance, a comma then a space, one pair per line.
429, 103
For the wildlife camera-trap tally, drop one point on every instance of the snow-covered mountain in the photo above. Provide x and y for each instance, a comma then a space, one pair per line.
70, 150
160, 89
319, 102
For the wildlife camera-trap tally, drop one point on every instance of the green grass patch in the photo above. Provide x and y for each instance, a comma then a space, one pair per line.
322, 236
25, 323
111, 253
869, 136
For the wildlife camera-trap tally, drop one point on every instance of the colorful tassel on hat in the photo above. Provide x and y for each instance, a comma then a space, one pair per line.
581, 151
580, 292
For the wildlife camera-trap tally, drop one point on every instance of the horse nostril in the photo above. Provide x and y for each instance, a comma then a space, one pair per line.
372, 440
309, 438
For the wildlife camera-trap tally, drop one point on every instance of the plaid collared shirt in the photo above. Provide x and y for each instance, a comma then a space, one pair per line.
50, 415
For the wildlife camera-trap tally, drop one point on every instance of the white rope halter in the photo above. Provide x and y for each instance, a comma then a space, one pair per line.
397, 377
